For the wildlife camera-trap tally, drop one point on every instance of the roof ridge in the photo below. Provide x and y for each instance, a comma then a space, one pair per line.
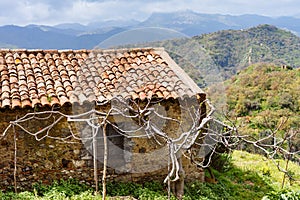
116, 50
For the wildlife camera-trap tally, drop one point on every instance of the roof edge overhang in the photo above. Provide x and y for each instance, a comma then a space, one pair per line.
179, 71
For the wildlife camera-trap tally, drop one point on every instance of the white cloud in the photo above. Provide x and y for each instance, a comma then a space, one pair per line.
87, 11
22, 12
236, 7
33, 13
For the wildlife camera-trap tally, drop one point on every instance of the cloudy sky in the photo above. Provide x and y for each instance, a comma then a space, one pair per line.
51, 12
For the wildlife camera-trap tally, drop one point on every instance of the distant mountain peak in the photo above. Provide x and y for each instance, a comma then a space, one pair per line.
187, 22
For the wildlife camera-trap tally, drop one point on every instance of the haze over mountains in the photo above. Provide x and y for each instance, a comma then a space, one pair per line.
78, 36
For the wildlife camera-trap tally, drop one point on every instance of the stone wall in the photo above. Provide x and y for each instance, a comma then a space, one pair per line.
52, 159
44, 160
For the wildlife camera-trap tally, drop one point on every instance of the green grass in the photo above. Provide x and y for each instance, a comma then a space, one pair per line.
247, 176
267, 169
239, 184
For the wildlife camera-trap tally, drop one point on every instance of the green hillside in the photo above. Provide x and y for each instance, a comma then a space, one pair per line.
214, 57
262, 99
234, 50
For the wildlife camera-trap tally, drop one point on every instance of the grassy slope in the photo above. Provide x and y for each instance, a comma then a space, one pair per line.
251, 176
267, 169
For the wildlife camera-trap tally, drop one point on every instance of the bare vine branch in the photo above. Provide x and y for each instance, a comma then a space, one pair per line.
198, 143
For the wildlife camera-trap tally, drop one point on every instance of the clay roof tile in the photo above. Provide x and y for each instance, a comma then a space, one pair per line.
56, 77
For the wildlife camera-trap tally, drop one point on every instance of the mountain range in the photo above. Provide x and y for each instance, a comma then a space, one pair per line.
176, 24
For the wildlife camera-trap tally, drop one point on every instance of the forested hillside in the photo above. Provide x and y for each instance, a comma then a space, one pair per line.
214, 57
262, 99
234, 50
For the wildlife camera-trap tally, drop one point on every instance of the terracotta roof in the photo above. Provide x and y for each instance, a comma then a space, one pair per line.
48, 77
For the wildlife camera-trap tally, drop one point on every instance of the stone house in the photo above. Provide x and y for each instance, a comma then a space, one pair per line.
74, 81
